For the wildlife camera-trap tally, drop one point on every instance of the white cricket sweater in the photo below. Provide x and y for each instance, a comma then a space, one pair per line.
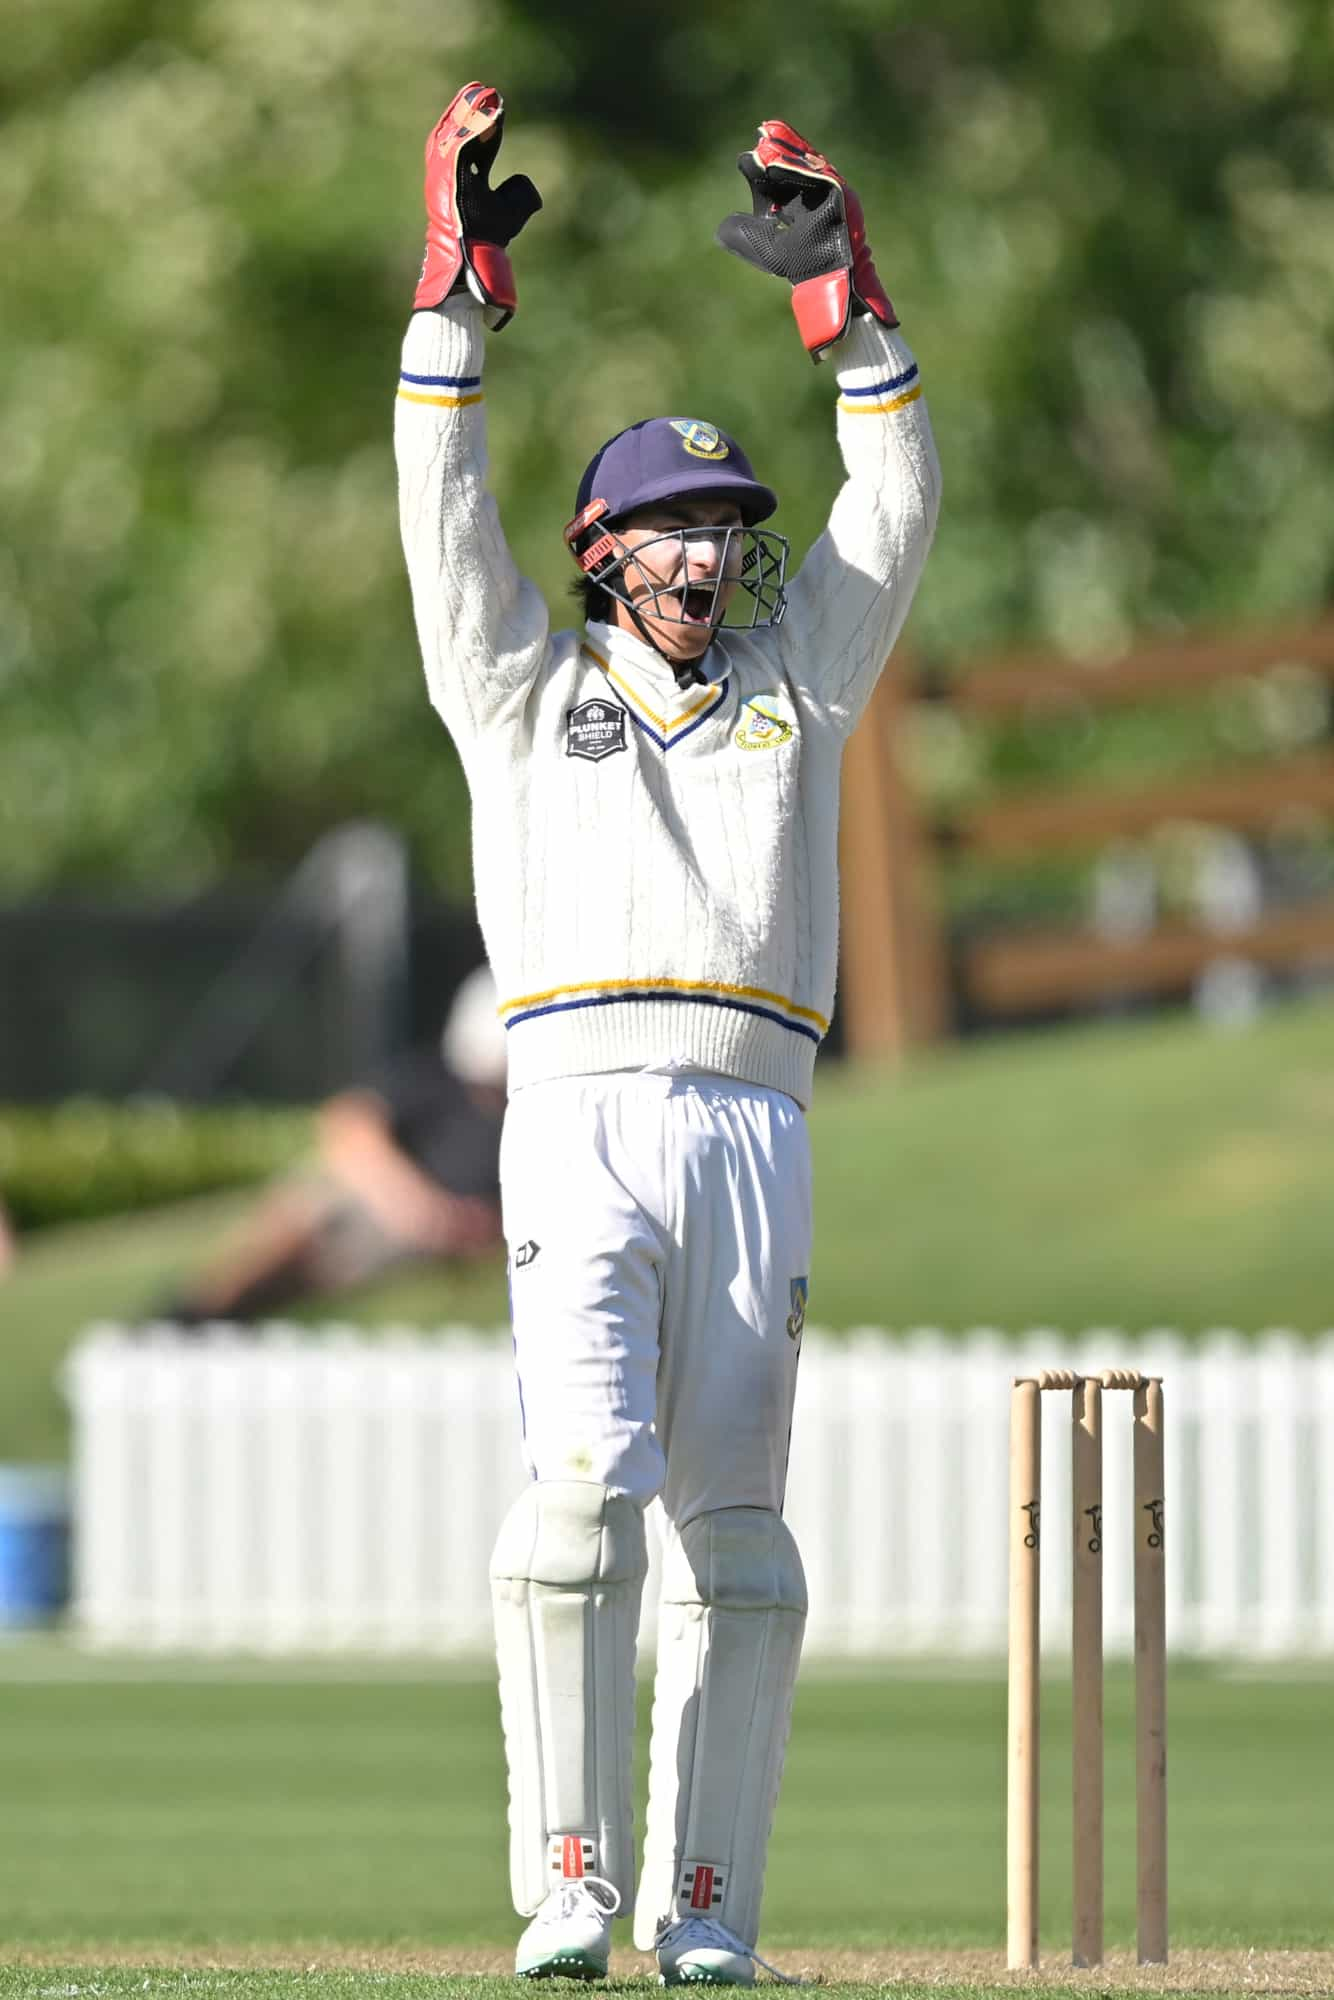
657, 867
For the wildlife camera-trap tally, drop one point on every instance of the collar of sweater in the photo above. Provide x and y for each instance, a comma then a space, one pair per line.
630, 656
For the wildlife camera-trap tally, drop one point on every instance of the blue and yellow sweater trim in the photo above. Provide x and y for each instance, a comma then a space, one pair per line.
894, 393
705, 993
660, 729
443, 392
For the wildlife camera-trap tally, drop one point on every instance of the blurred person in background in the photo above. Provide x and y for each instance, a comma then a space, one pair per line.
406, 1172
7, 1244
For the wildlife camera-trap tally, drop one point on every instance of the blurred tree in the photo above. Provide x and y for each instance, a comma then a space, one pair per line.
1109, 227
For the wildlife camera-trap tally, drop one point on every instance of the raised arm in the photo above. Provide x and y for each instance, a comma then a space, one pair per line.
848, 601
482, 627
850, 598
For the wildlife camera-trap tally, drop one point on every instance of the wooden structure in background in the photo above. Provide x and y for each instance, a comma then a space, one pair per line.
895, 980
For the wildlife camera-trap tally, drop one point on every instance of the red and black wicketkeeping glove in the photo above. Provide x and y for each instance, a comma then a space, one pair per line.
807, 226
470, 224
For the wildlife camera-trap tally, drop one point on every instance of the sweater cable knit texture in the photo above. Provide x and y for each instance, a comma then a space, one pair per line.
656, 867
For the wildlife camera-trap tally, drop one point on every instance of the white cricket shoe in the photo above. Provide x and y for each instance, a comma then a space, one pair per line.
699, 1951
570, 1937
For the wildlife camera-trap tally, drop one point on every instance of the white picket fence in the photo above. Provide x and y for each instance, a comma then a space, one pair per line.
299, 1490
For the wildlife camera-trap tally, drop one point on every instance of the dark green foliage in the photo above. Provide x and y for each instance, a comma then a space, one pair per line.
1107, 228
85, 1159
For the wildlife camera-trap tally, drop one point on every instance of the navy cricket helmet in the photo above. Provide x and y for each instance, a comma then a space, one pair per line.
672, 458
679, 458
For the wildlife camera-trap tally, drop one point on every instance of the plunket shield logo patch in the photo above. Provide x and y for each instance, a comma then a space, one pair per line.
799, 1292
701, 440
594, 730
763, 726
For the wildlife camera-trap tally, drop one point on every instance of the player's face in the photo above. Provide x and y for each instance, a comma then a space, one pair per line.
689, 578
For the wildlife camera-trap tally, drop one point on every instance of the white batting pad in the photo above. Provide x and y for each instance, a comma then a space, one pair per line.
729, 1640
567, 1573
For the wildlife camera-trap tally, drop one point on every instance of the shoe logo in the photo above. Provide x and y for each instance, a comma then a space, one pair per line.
798, 1291
701, 1885
570, 1856
526, 1254
594, 730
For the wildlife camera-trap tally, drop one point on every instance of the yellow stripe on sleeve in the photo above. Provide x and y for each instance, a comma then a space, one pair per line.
880, 409
441, 402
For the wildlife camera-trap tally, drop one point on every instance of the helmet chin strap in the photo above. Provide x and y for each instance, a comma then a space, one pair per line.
686, 671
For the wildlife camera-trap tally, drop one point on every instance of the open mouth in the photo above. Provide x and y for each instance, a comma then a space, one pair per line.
697, 604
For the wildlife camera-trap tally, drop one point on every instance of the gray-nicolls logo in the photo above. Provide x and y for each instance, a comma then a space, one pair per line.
526, 1254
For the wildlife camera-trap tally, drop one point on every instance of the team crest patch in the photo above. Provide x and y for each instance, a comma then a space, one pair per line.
701, 1886
701, 440
763, 726
594, 729
798, 1291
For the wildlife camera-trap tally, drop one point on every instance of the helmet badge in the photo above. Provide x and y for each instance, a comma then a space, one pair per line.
701, 440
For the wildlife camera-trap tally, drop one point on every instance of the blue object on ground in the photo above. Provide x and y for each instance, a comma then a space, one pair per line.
34, 1543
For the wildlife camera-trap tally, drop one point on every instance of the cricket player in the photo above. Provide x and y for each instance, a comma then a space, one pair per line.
655, 809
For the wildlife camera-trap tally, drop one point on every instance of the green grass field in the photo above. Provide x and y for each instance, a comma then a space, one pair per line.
1148, 1174
305, 1834
342, 1817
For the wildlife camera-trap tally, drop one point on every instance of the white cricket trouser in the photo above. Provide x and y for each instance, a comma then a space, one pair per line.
659, 1231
